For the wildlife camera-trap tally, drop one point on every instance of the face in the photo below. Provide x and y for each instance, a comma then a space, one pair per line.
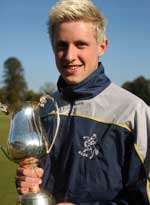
76, 50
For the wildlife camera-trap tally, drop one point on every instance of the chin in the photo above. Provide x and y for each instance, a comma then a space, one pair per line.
72, 81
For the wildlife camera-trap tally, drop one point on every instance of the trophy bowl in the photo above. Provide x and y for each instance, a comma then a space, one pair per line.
26, 136
27, 139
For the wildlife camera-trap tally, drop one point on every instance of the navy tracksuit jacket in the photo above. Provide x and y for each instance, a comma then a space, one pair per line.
101, 155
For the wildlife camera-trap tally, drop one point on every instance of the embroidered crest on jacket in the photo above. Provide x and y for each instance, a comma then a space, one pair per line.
89, 149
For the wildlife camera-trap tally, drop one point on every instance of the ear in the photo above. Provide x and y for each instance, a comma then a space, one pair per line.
102, 46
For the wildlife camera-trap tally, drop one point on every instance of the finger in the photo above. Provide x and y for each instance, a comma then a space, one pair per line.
34, 189
30, 167
26, 188
30, 172
23, 190
27, 181
34, 172
38, 171
30, 160
28, 184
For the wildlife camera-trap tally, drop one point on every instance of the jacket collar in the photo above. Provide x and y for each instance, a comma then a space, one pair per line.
87, 89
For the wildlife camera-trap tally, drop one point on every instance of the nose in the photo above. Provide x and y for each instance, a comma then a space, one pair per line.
71, 53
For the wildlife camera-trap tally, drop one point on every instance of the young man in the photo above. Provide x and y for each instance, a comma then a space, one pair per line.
101, 154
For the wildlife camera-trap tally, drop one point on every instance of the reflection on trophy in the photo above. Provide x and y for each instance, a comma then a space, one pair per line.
27, 139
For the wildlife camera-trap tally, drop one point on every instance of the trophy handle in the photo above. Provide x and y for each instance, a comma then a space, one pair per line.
57, 127
4, 108
42, 101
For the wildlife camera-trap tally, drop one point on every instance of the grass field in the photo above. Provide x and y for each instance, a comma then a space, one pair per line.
7, 168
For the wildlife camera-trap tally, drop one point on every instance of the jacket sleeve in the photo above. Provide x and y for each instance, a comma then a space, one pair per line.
142, 145
138, 176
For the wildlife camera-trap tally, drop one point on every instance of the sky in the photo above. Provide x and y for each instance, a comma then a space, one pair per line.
23, 34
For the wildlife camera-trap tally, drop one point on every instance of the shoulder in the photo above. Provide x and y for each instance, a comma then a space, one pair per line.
119, 106
120, 97
122, 94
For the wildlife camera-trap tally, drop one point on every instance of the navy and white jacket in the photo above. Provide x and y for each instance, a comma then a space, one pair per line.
101, 155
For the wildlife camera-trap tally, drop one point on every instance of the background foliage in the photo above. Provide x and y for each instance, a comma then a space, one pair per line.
7, 168
15, 89
140, 87
15, 86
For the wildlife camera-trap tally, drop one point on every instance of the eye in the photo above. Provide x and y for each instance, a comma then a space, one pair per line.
81, 44
61, 45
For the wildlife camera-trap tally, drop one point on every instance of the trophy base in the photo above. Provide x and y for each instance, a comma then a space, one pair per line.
35, 199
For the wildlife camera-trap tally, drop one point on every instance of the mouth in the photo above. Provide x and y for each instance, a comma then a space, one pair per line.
72, 67
70, 70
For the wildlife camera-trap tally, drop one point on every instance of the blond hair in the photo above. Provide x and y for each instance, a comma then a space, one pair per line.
76, 10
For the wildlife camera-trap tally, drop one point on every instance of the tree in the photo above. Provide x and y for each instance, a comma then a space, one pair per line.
32, 96
2, 95
140, 87
15, 86
48, 88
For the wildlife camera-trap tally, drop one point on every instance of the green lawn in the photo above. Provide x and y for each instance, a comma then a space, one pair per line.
7, 168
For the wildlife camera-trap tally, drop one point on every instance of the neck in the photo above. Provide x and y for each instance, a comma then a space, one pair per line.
88, 88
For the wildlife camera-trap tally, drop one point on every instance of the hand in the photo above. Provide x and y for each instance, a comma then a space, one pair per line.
29, 176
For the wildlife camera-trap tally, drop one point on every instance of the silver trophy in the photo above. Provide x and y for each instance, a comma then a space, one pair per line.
27, 139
